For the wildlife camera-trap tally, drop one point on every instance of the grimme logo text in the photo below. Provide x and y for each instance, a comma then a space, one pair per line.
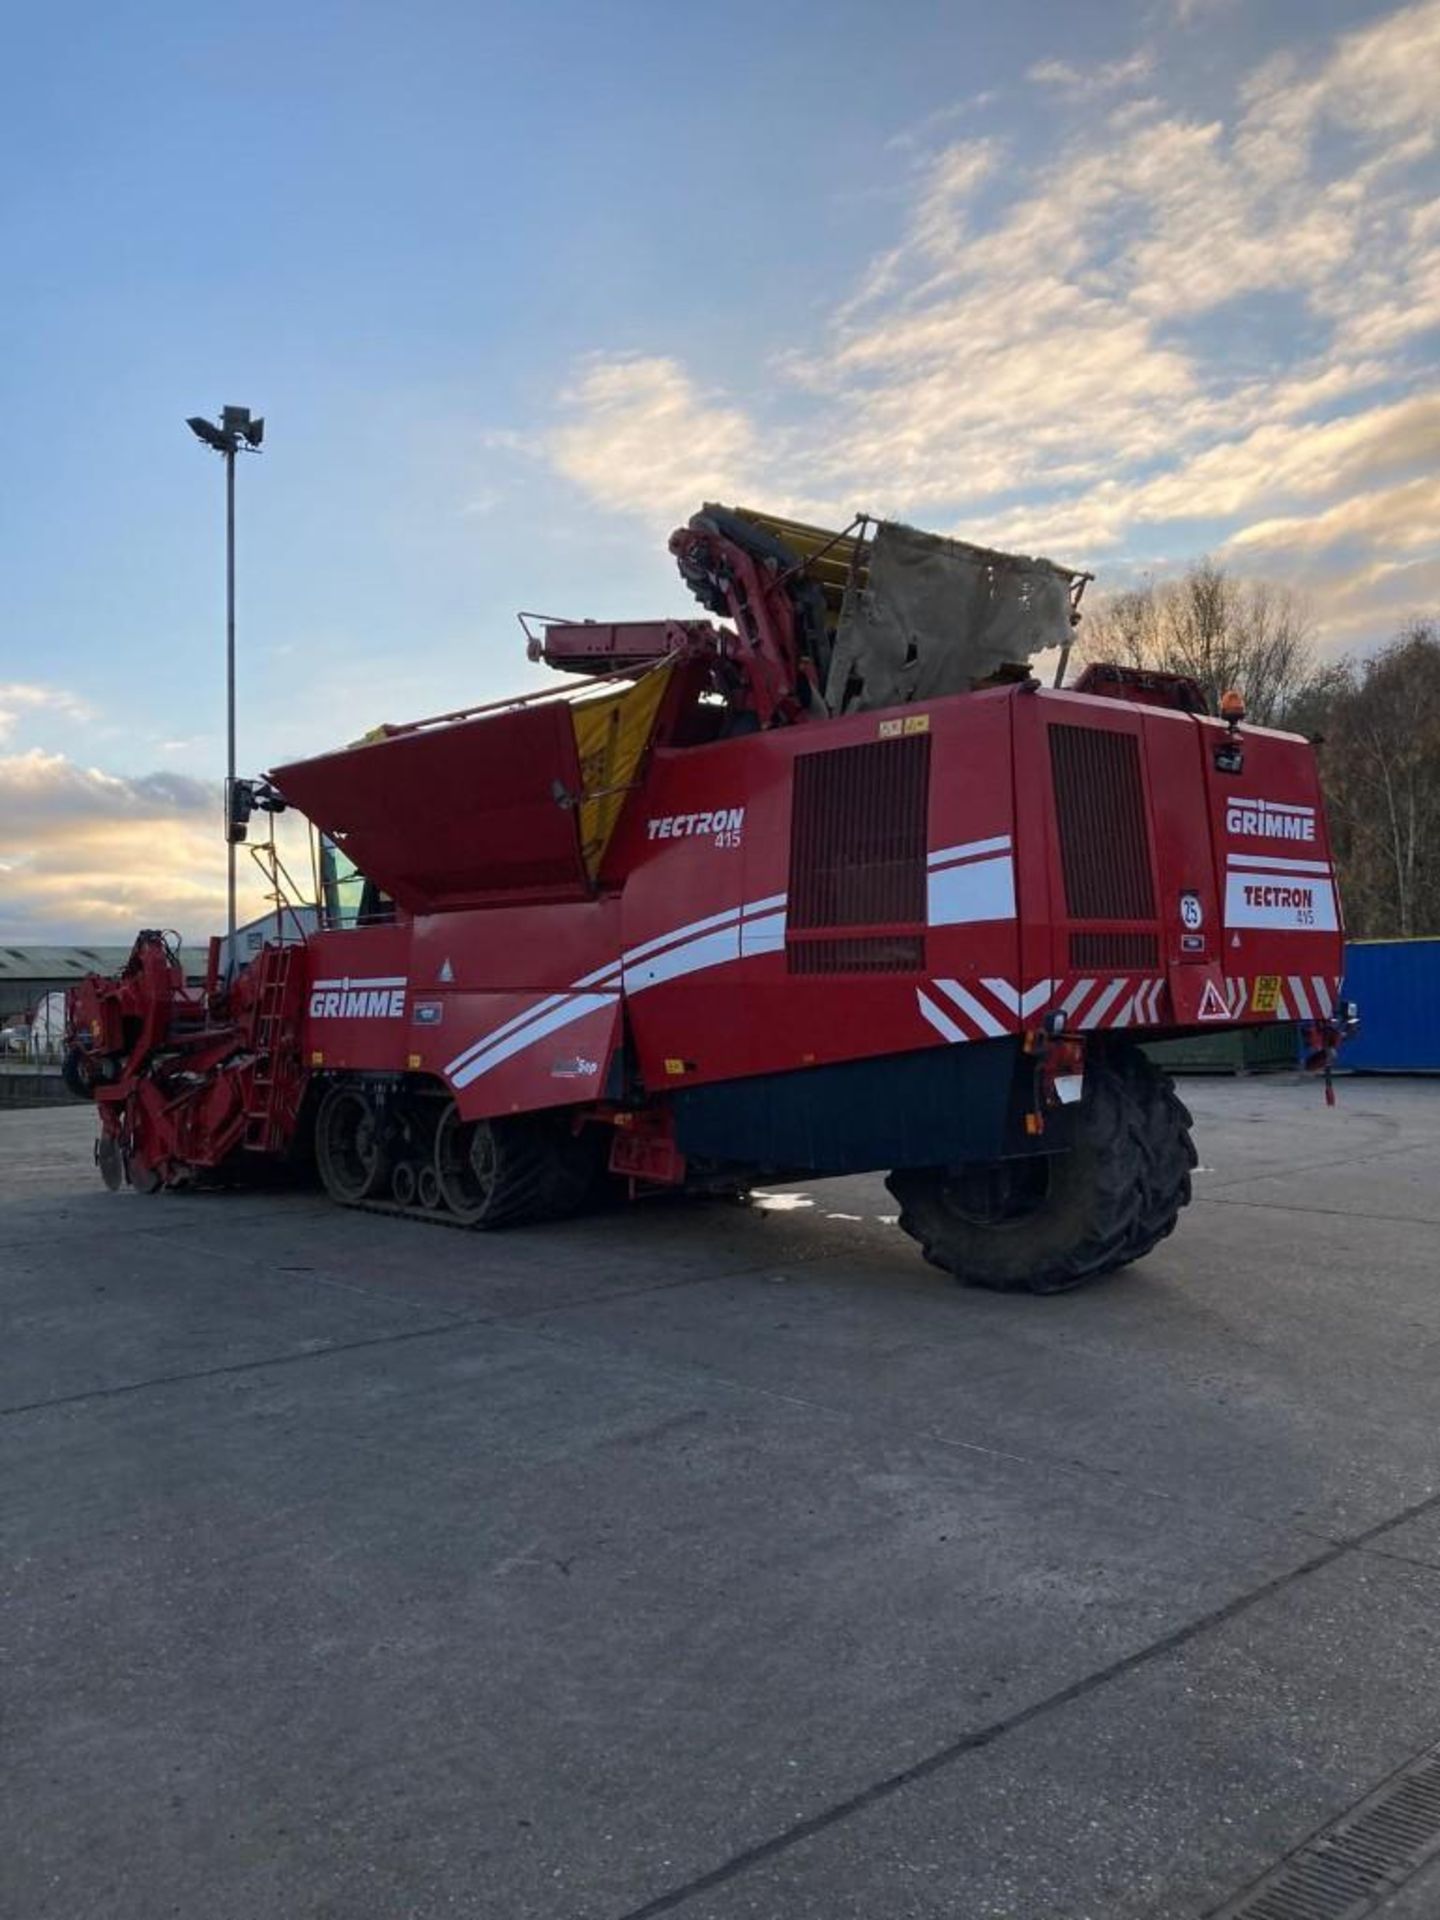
1270, 819
357, 1000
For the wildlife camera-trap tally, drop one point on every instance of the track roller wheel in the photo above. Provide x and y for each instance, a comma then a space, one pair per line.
1046, 1223
504, 1172
349, 1149
403, 1184
427, 1188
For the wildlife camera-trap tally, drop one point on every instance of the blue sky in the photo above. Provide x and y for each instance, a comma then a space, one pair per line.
517, 286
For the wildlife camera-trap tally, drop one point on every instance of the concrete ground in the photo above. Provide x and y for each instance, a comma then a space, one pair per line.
710, 1561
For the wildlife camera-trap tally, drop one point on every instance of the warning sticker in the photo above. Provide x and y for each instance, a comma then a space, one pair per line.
1265, 994
910, 723
1212, 1005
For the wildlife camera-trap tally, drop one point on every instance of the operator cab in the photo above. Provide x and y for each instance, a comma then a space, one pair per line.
349, 898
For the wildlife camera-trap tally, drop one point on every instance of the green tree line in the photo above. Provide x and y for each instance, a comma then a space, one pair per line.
1375, 718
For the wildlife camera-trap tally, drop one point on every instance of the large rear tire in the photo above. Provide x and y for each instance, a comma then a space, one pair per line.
1167, 1151
1046, 1223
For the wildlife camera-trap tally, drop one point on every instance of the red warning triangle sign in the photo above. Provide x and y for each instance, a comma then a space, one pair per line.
1212, 1006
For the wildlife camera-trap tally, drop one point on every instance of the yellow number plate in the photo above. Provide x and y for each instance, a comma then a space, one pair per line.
1265, 995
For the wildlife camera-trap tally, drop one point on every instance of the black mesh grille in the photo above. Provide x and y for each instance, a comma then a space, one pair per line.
857, 857
1100, 810
859, 953
1115, 952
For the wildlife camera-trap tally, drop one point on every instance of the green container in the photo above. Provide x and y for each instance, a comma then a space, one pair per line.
1242, 1050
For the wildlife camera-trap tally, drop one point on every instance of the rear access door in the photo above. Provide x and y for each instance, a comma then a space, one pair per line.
1089, 893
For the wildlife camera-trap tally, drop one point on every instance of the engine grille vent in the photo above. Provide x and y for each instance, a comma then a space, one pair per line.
1100, 810
857, 857
859, 953
1115, 952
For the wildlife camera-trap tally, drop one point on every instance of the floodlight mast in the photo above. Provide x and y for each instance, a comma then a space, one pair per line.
238, 430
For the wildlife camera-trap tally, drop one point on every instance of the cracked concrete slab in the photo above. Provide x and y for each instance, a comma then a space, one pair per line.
358, 1568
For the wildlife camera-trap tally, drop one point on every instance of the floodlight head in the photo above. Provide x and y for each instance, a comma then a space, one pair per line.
235, 419
207, 431
254, 432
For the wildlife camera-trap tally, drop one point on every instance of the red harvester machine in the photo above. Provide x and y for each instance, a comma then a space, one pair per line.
835, 885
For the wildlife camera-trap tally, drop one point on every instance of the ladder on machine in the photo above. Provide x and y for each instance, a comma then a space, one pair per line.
265, 1115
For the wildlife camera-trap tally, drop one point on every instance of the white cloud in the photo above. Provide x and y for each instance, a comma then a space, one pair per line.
1399, 519
19, 697
917, 138
1186, 13
1167, 322
940, 224
642, 435
91, 855
1086, 83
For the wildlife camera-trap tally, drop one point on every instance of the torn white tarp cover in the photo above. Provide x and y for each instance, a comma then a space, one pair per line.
935, 616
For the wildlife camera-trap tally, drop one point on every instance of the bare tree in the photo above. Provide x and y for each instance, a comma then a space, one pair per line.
1381, 767
1223, 632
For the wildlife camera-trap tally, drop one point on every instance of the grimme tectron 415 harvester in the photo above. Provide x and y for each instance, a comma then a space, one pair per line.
829, 884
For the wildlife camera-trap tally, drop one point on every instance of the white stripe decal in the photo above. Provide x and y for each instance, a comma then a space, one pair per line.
1299, 997
1256, 897
508, 1026
1002, 991
679, 933
594, 979
977, 890
1022, 1004
967, 1003
710, 950
390, 980
1035, 997
942, 1023
1103, 1005
1262, 861
1277, 806
686, 952
1076, 995
1282, 1012
971, 850
1322, 995
765, 935
565, 1016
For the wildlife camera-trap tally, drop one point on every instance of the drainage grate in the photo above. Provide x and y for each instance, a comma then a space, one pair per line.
1343, 1871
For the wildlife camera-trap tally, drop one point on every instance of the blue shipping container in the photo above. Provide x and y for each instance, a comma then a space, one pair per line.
1396, 984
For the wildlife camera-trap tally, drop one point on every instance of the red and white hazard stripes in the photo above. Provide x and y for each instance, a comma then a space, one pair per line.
986, 1009
1091, 1002
1296, 996
981, 1009
989, 1008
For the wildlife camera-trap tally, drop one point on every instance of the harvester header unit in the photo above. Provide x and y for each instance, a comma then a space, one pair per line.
824, 882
